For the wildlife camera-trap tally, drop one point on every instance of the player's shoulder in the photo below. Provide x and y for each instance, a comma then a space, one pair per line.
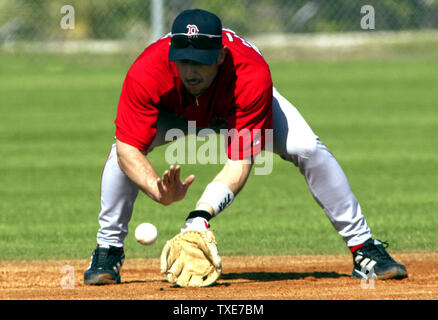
238, 43
252, 70
244, 53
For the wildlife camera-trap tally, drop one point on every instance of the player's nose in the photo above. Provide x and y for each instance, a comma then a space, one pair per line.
190, 72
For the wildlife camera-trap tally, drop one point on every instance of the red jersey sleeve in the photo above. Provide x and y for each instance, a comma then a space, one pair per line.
136, 115
248, 130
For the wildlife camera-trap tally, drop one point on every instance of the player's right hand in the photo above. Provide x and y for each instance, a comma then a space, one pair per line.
170, 186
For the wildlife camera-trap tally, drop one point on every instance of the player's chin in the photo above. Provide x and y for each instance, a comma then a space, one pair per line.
195, 90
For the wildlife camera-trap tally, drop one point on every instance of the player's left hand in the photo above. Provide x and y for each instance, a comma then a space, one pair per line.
171, 187
191, 259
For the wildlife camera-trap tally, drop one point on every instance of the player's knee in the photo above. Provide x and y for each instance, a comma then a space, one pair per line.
303, 148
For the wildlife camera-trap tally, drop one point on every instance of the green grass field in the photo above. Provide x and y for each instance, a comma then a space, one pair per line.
378, 117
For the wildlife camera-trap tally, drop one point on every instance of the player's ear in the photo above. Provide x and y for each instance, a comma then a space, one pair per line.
222, 55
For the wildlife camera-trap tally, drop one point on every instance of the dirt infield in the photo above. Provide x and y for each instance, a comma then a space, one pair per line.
244, 278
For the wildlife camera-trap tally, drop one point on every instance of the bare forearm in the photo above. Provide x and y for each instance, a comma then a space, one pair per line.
234, 176
138, 168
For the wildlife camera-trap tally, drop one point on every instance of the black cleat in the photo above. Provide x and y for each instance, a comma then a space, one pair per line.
105, 266
372, 261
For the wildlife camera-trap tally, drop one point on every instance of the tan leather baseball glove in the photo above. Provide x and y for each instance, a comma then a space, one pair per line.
191, 259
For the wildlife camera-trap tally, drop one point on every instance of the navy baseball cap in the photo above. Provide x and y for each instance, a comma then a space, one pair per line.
196, 35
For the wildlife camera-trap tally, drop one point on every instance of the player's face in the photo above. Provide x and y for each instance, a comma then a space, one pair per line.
197, 77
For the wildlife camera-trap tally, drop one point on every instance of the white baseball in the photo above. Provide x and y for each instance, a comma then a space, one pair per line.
146, 233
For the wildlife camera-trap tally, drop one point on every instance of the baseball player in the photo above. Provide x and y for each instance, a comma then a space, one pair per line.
205, 73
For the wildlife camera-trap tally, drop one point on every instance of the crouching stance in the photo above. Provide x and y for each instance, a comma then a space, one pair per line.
204, 73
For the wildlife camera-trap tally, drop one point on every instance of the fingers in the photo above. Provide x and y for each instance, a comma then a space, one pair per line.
211, 278
172, 175
164, 267
171, 185
177, 173
160, 186
209, 248
184, 277
175, 271
189, 181
166, 177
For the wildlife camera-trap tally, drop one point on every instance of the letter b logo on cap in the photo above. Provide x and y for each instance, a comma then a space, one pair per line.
192, 29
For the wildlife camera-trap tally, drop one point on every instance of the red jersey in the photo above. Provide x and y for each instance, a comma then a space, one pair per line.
241, 96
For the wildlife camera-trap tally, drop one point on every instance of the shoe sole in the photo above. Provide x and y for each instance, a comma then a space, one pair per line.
395, 273
102, 279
